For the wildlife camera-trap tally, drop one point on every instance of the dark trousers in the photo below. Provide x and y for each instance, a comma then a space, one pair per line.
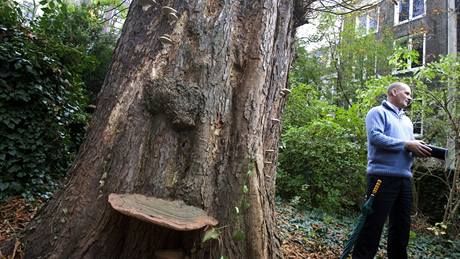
394, 200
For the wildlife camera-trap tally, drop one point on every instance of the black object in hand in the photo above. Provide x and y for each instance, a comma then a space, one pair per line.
438, 152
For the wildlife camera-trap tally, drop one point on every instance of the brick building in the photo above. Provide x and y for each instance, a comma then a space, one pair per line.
428, 26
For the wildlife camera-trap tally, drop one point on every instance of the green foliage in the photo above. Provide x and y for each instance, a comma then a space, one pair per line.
323, 156
84, 49
439, 86
401, 56
374, 92
346, 60
10, 13
306, 69
40, 111
212, 233
304, 105
47, 67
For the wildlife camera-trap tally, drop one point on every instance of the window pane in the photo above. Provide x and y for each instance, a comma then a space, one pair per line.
417, 45
373, 21
403, 10
362, 22
419, 7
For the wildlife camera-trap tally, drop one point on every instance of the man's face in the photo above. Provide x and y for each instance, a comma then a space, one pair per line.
402, 96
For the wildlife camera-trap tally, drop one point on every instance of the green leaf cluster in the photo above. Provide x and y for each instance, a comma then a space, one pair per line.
81, 44
41, 115
50, 68
323, 154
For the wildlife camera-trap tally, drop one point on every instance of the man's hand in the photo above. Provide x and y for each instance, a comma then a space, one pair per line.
418, 147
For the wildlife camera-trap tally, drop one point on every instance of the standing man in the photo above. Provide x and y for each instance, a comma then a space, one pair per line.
391, 148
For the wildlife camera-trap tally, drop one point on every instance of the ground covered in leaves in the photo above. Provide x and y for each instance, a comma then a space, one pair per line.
315, 234
304, 233
14, 216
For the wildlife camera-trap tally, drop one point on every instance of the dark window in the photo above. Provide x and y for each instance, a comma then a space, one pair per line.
418, 7
412, 43
405, 44
403, 10
417, 45
409, 9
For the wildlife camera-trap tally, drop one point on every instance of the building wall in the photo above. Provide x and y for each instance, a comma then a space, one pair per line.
433, 24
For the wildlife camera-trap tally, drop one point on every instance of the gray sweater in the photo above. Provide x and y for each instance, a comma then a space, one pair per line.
387, 131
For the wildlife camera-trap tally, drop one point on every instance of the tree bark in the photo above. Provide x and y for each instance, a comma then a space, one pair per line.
195, 121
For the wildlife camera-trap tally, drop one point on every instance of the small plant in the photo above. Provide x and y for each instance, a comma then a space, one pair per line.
439, 229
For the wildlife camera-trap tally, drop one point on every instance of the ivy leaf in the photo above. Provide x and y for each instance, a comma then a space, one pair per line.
17, 65
245, 189
212, 233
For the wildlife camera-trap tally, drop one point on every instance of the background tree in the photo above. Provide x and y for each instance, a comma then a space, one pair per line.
347, 55
323, 153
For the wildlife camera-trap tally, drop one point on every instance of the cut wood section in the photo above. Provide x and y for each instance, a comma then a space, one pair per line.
170, 214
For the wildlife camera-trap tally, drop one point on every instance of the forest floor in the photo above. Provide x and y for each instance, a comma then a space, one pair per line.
304, 234
315, 234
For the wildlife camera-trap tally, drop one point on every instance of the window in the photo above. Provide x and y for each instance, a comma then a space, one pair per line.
417, 43
407, 10
367, 22
416, 114
373, 19
412, 43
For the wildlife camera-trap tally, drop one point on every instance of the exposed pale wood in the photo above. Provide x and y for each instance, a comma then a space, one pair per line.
170, 214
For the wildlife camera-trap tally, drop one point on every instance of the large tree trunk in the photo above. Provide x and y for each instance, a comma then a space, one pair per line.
193, 121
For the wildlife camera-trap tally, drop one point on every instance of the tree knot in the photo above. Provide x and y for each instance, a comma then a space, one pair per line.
181, 103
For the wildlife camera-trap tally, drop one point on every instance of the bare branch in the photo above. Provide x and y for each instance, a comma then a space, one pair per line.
116, 7
304, 8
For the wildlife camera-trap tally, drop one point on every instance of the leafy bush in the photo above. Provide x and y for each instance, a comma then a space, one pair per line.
41, 114
83, 48
10, 13
323, 161
51, 66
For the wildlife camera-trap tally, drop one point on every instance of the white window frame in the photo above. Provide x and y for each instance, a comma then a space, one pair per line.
409, 42
367, 13
411, 12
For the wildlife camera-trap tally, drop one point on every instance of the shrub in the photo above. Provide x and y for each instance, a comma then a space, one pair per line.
323, 156
41, 114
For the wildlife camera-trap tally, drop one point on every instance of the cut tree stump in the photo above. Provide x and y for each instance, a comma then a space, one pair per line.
170, 214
